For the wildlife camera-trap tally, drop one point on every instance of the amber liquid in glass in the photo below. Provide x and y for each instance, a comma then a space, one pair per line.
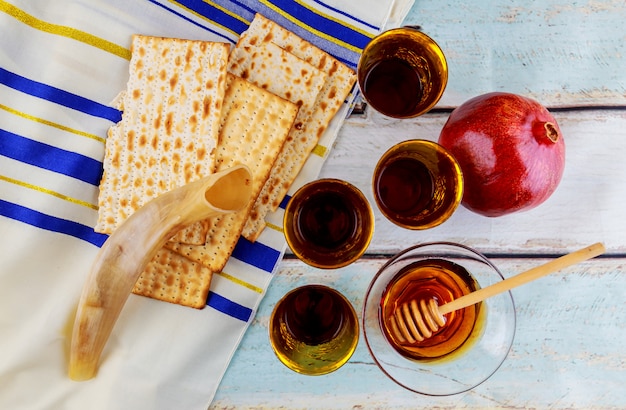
444, 281
393, 87
404, 186
314, 330
313, 316
402, 73
328, 223
327, 220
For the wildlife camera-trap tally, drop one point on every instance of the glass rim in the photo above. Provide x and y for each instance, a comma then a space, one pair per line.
447, 212
331, 366
372, 336
341, 260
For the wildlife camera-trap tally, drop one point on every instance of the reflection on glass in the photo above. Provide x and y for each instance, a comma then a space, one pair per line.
314, 330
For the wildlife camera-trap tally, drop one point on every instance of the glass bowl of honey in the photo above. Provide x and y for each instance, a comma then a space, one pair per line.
466, 350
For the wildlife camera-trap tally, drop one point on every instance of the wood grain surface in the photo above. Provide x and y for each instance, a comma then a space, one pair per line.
563, 53
571, 326
567, 353
585, 208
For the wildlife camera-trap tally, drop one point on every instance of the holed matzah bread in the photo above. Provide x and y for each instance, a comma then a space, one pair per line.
253, 129
169, 128
176, 279
299, 82
340, 81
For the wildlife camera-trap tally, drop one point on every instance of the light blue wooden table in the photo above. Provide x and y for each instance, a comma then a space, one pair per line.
571, 326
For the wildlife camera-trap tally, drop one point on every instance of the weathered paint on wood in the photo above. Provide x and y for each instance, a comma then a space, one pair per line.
571, 326
563, 53
586, 207
568, 349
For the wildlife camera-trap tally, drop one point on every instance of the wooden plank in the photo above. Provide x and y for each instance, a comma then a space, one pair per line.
562, 53
587, 207
568, 350
567, 353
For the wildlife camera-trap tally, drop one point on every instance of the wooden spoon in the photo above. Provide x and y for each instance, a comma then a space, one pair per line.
417, 320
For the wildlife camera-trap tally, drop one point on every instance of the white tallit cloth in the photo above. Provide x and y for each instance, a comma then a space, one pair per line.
61, 65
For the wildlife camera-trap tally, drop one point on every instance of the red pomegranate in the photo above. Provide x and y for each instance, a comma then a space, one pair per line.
510, 149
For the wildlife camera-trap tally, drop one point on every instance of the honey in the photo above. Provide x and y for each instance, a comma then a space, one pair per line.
444, 281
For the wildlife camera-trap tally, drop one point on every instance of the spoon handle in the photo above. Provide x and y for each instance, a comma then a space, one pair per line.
554, 265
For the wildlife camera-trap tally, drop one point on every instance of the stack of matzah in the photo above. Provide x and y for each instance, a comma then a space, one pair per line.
189, 110
253, 128
168, 133
339, 80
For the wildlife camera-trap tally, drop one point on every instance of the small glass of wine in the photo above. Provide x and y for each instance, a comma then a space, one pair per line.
467, 349
314, 330
328, 223
402, 73
417, 184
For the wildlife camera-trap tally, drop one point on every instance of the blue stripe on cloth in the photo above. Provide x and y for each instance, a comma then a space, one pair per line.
342, 54
256, 254
228, 307
195, 23
51, 158
229, 4
343, 13
328, 26
51, 223
284, 202
347, 61
58, 96
214, 14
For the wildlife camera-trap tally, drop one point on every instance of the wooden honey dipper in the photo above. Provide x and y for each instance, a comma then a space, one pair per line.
416, 321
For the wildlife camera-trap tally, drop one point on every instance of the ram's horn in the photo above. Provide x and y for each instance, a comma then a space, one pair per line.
134, 243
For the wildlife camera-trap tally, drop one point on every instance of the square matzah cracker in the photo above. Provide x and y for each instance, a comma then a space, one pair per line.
253, 128
169, 128
340, 81
173, 278
292, 78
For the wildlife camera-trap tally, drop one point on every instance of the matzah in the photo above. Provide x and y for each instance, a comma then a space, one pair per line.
299, 82
173, 278
253, 128
169, 128
339, 82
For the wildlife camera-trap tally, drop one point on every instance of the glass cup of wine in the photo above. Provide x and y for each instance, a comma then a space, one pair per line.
467, 349
402, 73
328, 223
417, 184
314, 330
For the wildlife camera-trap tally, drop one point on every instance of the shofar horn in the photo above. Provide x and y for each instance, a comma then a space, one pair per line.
132, 245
